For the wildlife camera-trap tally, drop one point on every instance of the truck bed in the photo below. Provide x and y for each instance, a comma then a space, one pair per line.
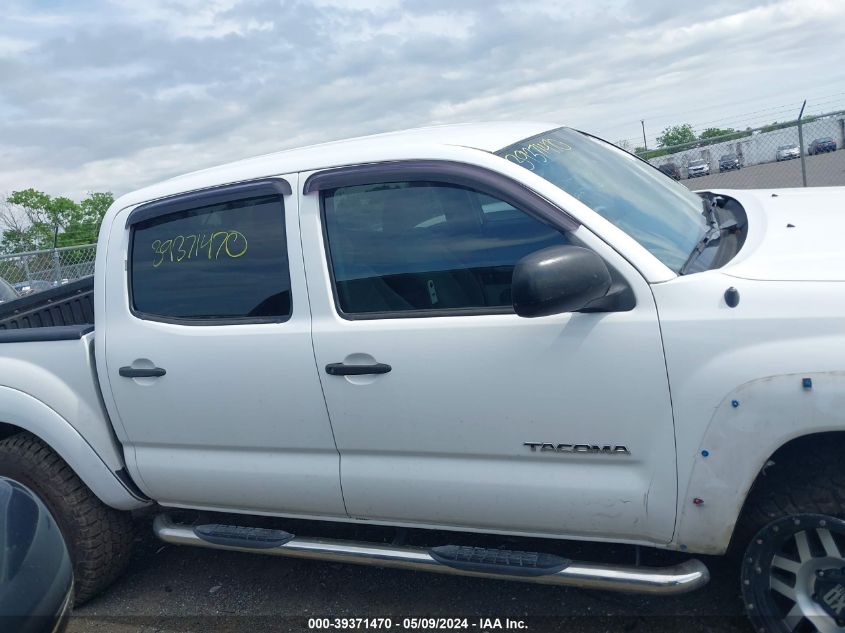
70, 304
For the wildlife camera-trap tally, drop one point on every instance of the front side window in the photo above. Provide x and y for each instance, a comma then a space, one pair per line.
413, 247
221, 262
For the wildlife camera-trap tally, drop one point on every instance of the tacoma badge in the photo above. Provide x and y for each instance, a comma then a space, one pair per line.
605, 449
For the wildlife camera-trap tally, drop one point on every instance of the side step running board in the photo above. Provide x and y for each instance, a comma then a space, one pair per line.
532, 567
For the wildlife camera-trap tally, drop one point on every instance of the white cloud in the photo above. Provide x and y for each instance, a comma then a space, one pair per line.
195, 19
10, 46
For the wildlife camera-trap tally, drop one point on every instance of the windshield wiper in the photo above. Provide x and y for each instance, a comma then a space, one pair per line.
711, 235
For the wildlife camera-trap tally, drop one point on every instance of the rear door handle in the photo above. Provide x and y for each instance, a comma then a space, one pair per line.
340, 369
141, 372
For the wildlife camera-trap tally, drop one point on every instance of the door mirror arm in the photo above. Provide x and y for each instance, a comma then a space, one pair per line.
567, 278
620, 297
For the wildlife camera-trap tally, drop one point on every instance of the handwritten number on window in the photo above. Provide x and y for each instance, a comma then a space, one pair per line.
213, 246
537, 152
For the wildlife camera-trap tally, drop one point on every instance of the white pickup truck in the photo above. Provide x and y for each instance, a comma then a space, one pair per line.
511, 329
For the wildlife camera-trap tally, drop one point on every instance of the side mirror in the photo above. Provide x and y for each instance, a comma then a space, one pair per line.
558, 279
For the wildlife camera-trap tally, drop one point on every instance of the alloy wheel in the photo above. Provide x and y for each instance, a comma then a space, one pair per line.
793, 575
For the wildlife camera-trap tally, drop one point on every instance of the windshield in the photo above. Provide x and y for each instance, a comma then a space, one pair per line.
729, 157
663, 216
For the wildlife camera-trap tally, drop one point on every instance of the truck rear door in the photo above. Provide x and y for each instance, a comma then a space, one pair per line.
206, 349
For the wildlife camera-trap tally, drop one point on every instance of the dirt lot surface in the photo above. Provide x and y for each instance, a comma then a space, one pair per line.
170, 589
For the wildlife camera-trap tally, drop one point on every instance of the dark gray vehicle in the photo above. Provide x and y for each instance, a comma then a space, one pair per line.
36, 574
822, 145
728, 162
671, 170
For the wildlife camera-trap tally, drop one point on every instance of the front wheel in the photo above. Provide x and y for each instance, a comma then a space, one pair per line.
793, 575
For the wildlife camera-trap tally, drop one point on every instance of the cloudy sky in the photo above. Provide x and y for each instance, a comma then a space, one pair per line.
116, 94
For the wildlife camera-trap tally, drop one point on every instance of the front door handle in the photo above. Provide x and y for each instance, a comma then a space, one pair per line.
141, 372
341, 369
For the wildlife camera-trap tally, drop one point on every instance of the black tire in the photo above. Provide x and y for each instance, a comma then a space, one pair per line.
804, 489
817, 486
99, 538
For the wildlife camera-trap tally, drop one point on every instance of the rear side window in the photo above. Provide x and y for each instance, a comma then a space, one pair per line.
214, 263
410, 248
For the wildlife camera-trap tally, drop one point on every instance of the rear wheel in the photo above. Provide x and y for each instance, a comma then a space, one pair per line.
99, 538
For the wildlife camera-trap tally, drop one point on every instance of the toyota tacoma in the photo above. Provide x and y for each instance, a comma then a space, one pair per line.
511, 329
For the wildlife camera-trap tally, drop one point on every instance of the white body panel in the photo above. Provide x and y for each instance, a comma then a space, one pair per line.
809, 250
755, 354
49, 389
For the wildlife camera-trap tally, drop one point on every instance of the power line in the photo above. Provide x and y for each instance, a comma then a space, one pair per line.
679, 115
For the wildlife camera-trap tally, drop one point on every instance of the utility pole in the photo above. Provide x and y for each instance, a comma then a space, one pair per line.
57, 267
801, 145
645, 144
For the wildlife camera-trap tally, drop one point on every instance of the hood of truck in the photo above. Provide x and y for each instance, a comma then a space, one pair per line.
793, 235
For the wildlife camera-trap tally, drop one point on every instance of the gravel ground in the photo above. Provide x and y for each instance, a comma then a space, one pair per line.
823, 170
172, 589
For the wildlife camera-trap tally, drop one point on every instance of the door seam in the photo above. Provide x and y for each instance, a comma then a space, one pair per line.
300, 196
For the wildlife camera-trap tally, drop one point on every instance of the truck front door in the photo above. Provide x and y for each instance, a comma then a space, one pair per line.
206, 354
463, 413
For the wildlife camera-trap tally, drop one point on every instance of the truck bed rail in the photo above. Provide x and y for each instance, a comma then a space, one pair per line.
69, 304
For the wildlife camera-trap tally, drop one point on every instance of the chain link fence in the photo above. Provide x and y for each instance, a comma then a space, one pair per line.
41, 270
800, 153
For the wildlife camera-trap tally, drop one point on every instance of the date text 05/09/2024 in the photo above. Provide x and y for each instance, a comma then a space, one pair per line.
415, 624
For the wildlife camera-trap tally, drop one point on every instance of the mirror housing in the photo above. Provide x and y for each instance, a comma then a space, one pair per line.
558, 279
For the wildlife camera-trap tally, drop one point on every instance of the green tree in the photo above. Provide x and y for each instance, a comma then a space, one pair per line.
718, 135
677, 135
648, 154
33, 220
715, 132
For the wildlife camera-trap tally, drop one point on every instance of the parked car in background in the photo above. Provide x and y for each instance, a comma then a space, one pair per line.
728, 162
36, 285
788, 152
671, 170
699, 167
7, 292
821, 145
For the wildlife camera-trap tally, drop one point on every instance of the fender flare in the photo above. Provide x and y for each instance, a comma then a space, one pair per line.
747, 427
30, 414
